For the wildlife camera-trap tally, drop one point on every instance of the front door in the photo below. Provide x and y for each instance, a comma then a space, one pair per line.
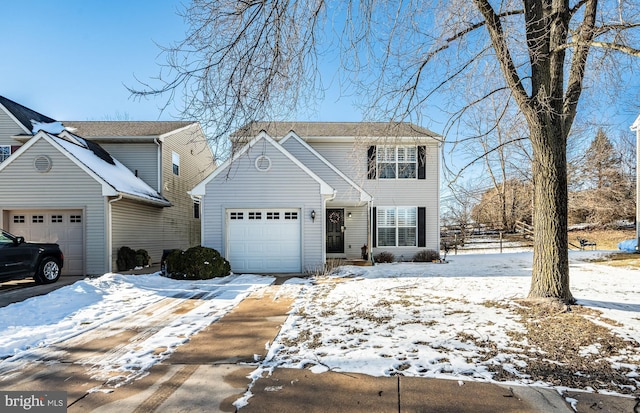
335, 231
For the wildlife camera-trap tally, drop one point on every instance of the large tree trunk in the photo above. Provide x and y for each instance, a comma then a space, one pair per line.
550, 275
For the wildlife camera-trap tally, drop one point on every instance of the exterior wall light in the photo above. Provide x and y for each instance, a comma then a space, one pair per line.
313, 215
349, 215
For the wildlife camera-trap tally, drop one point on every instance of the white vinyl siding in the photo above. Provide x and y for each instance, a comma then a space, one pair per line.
345, 191
140, 158
284, 185
9, 128
65, 186
138, 226
356, 230
181, 229
351, 159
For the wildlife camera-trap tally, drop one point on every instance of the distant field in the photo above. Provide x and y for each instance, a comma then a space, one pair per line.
607, 239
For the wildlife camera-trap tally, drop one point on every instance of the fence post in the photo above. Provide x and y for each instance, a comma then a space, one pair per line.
500, 242
455, 244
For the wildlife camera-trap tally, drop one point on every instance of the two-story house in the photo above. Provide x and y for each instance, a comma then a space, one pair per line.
295, 194
94, 187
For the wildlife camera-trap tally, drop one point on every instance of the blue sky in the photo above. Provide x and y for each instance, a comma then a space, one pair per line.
70, 59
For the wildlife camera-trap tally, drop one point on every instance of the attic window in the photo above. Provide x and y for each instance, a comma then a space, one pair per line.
42, 163
263, 163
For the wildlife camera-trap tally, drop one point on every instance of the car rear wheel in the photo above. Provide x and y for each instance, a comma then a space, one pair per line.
49, 271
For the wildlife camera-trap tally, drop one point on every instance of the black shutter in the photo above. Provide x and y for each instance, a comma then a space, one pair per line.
371, 162
422, 242
422, 162
374, 226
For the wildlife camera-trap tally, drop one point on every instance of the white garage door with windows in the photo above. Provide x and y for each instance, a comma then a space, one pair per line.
264, 240
63, 227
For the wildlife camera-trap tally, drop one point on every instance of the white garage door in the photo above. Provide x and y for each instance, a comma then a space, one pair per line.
63, 227
264, 240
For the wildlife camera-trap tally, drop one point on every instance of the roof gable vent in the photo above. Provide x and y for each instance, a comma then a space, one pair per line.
42, 163
263, 163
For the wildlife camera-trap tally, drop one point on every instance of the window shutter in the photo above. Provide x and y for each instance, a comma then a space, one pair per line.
422, 162
422, 212
374, 235
371, 162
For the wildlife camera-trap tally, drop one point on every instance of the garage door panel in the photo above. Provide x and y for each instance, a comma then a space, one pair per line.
63, 227
262, 240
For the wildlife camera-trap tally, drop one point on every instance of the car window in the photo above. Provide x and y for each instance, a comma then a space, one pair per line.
4, 239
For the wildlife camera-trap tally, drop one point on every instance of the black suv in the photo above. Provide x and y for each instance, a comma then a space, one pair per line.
20, 259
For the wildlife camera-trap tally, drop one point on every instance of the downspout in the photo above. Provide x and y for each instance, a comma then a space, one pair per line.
195, 198
110, 233
370, 229
159, 162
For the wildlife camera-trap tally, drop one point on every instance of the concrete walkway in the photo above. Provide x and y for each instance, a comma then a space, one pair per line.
214, 369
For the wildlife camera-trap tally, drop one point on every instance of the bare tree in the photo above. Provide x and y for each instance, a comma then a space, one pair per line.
500, 142
253, 59
606, 190
504, 204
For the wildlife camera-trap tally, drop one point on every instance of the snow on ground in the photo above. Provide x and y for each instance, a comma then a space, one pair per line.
441, 320
29, 330
409, 318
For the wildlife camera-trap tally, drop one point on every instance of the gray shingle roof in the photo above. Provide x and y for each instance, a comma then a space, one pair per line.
328, 129
23, 114
124, 128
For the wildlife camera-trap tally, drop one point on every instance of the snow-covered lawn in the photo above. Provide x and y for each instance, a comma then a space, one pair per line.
452, 320
457, 320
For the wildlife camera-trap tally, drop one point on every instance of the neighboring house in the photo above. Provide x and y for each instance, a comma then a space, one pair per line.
296, 194
94, 187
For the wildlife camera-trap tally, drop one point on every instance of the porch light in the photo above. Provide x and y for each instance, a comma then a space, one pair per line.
349, 215
313, 215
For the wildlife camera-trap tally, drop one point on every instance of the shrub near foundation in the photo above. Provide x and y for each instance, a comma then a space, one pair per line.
197, 263
426, 256
384, 256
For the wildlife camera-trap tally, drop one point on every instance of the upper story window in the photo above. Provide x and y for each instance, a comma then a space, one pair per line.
396, 162
5, 152
175, 163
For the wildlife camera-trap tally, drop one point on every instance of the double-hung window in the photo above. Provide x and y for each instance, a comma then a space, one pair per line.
5, 152
397, 162
397, 226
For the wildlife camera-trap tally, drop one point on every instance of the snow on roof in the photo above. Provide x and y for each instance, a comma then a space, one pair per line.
49, 127
109, 169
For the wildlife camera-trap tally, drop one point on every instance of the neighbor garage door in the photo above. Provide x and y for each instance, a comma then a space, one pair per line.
264, 240
64, 227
